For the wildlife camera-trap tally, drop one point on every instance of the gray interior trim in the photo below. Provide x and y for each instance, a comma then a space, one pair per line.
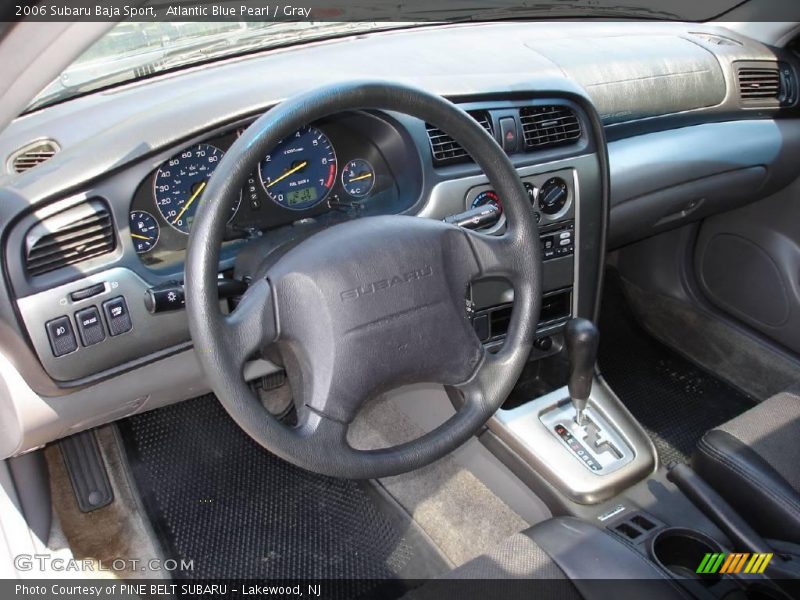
29, 473
746, 263
149, 332
523, 430
28, 420
666, 179
659, 278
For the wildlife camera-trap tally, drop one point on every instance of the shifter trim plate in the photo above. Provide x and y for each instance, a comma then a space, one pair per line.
576, 447
522, 431
606, 454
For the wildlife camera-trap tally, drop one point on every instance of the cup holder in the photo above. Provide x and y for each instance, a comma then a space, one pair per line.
680, 551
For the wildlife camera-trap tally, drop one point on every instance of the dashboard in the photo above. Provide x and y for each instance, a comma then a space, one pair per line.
615, 141
328, 172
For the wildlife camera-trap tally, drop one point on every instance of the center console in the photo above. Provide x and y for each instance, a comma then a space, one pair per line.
561, 422
563, 431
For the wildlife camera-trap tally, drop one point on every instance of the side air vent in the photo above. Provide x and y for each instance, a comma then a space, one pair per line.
766, 84
759, 84
31, 155
69, 237
445, 149
550, 125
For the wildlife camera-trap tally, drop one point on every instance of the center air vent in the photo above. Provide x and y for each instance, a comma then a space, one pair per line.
31, 155
549, 125
445, 149
69, 237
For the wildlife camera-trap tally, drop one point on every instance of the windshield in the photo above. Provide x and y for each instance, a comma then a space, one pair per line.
132, 50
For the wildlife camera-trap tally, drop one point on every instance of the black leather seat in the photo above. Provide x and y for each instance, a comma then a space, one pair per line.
569, 559
753, 461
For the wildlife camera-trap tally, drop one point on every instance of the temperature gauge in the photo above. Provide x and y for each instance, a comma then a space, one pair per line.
144, 230
358, 177
487, 197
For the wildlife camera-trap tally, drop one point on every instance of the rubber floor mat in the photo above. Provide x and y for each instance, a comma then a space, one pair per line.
674, 400
217, 498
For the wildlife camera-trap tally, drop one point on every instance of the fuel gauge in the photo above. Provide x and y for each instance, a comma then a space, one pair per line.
144, 230
358, 177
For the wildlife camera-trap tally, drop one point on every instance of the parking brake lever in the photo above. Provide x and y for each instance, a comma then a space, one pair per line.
716, 508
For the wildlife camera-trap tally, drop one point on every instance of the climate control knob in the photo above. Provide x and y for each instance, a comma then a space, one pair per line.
553, 196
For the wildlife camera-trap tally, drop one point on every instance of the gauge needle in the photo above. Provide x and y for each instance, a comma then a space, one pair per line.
140, 237
192, 198
360, 177
289, 172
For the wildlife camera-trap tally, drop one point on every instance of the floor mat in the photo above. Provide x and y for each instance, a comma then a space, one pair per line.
217, 498
674, 400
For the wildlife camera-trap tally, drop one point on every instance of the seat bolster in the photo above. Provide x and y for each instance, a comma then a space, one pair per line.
750, 484
587, 553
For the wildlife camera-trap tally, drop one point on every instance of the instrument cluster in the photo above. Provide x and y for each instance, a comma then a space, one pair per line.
328, 171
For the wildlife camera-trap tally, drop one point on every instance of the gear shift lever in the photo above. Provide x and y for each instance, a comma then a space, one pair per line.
581, 337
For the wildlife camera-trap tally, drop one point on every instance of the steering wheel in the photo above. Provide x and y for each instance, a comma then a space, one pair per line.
365, 306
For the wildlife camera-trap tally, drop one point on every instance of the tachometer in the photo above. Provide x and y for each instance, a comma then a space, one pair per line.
144, 230
300, 171
180, 181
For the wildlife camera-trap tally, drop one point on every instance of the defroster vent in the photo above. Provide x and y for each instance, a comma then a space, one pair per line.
71, 236
549, 125
445, 149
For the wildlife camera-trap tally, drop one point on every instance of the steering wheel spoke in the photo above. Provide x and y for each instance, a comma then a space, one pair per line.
492, 254
251, 326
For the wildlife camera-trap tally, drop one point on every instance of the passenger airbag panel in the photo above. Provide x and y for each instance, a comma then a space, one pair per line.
639, 76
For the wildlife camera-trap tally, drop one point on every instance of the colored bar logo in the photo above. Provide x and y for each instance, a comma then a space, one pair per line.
735, 562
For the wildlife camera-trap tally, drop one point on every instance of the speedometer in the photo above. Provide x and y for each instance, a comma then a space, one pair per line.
300, 171
180, 182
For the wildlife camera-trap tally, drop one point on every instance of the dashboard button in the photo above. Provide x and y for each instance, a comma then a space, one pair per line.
61, 336
90, 327
118, 318
508, 131
88, 292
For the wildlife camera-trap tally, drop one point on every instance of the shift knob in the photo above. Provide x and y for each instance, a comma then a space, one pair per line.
581, 338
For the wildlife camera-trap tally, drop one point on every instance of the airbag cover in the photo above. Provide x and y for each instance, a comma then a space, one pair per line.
635, 77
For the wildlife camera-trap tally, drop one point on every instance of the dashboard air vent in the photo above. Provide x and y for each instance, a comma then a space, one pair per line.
445, 149
549, 125
31, 155
759, 84
69, 237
